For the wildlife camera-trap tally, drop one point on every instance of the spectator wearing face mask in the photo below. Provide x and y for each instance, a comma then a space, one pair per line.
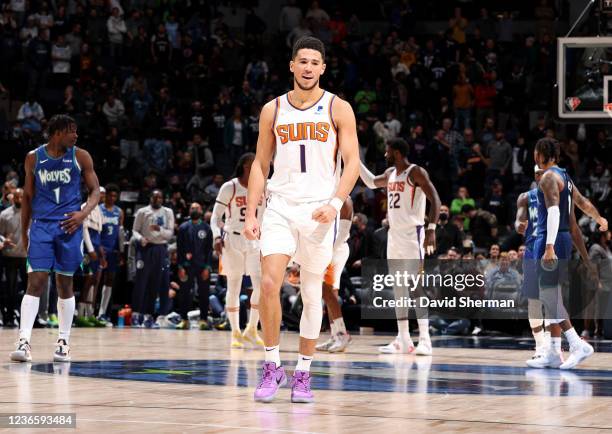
447, 234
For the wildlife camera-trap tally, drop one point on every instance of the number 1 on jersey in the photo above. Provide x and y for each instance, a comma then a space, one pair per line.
57, 194
303, 158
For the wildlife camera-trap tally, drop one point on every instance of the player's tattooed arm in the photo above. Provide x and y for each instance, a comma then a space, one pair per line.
28, 194
520, 224
421, 178
75, 219
266, 145
589, 209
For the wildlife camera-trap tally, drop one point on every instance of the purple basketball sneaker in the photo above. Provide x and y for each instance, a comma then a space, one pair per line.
300, 391
272, 379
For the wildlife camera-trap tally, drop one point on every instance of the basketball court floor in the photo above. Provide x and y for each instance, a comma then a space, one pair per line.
166, 381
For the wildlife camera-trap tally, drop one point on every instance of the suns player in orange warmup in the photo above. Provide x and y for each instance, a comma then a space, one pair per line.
238, 255
305, 131
408, 188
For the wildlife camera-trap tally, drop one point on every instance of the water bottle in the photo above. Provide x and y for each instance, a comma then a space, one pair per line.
121, 318
128, 315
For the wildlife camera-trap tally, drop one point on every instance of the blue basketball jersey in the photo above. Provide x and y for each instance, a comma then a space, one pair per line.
532, 222
57, 185
565, 204
110, 227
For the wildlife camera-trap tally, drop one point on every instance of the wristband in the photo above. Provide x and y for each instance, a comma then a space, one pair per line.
336, 203
431, 227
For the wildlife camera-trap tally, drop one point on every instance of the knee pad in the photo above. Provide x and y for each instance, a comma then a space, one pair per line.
534, 309
312, 314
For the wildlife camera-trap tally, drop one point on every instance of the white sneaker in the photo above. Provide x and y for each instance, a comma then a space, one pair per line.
548, 359
423, 348
23, 353
62, 351
577, 355
541, 351
341, 341
397, 347
324, 346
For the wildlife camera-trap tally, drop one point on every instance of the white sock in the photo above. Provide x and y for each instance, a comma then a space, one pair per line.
303, 363
65, 313
573, 338
340, 327
423, 328
547, 342
540, 339
556, 344
29, 310
273, 355
333, 328
106, 295
253, 317
403, 331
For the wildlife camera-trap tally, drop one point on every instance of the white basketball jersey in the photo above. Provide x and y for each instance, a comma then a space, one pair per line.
235, 212
307, 161
405, 201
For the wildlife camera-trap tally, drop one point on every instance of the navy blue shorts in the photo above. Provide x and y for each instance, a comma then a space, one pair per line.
530, 287
551, 278
112, 261
51, 249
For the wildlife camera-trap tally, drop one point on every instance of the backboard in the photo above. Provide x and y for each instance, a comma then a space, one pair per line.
584, 79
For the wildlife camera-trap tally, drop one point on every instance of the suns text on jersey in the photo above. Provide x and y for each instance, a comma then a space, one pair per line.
303, 131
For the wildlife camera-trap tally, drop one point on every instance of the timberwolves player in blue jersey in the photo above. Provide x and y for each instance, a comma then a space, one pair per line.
526, 224
111, 245
553, 247
51, 224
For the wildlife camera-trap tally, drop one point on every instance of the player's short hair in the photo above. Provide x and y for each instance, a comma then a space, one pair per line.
59, 123
112, 188
239, 170
309, 42
399, 145
548, 148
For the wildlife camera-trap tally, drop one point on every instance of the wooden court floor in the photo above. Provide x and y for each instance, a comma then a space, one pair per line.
166, 381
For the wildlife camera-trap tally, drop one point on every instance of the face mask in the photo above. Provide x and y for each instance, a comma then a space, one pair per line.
443, 216
195, 215
18, 205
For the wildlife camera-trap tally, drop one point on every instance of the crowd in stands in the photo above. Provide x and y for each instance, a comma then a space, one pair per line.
167, 96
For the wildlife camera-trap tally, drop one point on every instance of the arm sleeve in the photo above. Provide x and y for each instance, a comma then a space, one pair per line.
552, 224
366, 176
221, 203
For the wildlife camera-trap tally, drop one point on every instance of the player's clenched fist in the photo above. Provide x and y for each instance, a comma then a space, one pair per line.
324, 214
251, 228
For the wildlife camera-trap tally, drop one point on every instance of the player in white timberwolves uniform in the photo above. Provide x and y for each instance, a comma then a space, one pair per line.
408, 188
239, 256
305, 131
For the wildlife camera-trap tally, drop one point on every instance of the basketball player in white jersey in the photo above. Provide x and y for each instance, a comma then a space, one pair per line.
408, 188
305, 131
339, 338
238, 256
